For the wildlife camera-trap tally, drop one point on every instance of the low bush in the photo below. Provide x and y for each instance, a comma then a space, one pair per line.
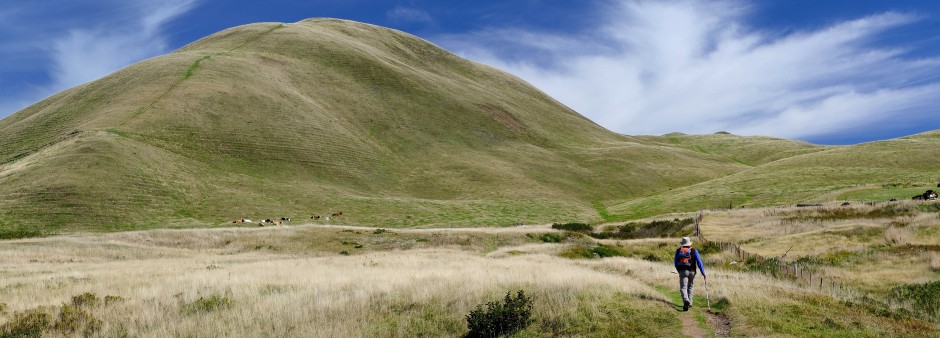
594, 251
922, 298
549, 238
85, 299
74, 319
209, 304
31, 323
654, 229
20, 232
109, 299
500, 318
576, 227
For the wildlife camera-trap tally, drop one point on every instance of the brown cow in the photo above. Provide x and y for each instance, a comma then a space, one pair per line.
337, 214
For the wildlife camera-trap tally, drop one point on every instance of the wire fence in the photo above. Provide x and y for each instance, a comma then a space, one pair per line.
802, 275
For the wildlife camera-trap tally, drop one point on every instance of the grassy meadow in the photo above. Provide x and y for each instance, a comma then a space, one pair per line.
334, 280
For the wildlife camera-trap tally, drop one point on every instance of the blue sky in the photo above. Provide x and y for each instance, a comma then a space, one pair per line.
829, 72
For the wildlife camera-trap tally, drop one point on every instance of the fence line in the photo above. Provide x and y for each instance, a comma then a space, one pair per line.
793, 271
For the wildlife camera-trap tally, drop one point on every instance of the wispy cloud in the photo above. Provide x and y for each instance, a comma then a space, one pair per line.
654, 67
86, 54
80, 44
408, 14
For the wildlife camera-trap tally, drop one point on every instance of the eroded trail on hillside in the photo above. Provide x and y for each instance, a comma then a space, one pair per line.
689, 327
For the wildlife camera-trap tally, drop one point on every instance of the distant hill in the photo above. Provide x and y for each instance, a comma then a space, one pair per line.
750, 151
874, 171
269, 120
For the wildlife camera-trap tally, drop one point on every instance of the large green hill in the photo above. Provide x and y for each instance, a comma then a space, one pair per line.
269, 120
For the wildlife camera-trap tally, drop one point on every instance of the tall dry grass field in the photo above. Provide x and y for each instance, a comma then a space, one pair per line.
314, 281
187, 283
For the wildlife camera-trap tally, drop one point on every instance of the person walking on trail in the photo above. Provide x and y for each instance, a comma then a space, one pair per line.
685, 261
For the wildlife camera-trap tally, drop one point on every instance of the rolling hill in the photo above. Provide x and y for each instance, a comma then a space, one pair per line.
896, 168
274, 120
270, 119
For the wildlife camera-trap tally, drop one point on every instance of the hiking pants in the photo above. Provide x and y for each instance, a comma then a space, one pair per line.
686, 278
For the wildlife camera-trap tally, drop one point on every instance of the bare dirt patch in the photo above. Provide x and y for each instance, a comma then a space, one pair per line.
720, 322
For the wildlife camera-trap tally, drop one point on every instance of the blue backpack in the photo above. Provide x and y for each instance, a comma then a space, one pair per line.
685, 257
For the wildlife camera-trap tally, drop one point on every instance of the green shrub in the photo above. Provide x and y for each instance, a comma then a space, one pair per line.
708, 248
209, 304
30, 323
654, 229
922, 298
608, 251
20, 232
85, 299
109, 299
499, 319
550, 238
652, 257
582, 251
74, 319
576, 227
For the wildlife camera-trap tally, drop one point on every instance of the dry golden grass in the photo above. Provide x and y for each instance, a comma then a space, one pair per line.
868, 254
292, 293
293, 281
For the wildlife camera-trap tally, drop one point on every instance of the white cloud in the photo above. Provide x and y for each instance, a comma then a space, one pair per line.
86, 54
80, 44
654, 67
407, 14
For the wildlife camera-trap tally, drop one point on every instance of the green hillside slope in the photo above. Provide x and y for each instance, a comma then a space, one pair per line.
876, 170
747, 150
270, 120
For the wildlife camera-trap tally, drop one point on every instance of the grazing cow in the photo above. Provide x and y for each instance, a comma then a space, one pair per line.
927, 195
846, 204
337, 214
285, 219
279, 223
315, 217
893, 200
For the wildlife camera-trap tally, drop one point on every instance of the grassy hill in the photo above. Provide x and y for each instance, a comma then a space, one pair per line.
750, 151
270, 120
897, 168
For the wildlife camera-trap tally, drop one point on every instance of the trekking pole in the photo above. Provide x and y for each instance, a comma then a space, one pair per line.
708, 300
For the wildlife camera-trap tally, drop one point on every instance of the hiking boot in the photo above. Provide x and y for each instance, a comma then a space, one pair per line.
685, 306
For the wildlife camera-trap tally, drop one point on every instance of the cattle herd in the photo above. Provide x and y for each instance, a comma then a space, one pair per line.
928, 195
284, 220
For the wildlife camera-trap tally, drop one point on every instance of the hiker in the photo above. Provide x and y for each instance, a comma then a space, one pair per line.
685, 257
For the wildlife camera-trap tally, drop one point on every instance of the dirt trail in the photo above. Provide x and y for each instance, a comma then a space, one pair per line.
689, 326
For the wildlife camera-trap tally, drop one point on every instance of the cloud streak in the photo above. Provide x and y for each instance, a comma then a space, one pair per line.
654, 67
90, 45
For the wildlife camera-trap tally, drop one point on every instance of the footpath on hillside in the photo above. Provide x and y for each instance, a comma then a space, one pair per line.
698, 321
